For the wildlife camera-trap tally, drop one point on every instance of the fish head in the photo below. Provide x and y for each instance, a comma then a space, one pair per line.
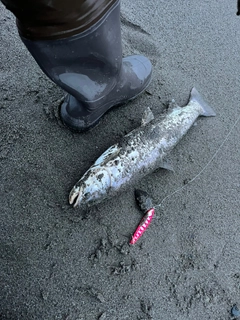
92, 188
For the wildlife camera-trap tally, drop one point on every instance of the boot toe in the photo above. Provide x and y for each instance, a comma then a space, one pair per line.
141, 66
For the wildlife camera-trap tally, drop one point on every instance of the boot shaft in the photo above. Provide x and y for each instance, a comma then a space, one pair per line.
85, 65
90, 68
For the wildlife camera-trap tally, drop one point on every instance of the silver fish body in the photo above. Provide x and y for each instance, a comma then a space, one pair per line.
139, 153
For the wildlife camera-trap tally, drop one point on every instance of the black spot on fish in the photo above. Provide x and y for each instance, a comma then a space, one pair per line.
100, 176
121, 152
116, 162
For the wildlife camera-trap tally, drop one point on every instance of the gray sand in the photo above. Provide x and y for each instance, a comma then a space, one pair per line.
60, 263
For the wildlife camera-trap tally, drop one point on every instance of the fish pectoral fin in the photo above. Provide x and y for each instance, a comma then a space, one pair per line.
147, 117
109, 154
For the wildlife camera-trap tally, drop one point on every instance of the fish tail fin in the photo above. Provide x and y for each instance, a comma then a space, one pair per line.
207, 111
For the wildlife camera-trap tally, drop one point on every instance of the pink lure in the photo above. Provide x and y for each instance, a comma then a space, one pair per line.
142, 227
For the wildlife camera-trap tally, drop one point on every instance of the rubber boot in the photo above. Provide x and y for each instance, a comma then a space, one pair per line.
89, 66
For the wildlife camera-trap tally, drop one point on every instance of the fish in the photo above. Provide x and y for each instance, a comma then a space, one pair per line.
138, 153
146, 205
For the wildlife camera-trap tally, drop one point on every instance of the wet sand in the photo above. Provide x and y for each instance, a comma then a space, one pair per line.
60, 263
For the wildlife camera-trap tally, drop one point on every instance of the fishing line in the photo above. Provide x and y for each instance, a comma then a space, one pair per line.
194, 178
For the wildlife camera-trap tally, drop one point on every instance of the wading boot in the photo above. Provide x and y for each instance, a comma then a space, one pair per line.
90, 68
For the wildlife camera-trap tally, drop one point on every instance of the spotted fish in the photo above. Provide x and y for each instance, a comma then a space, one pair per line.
138, 153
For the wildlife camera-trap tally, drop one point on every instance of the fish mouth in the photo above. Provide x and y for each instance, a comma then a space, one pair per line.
75, 196
90, 188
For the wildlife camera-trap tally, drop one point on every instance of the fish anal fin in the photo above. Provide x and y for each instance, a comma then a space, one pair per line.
166, 164
147, 116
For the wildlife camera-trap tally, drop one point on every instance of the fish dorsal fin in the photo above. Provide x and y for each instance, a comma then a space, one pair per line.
172, 105
147, 116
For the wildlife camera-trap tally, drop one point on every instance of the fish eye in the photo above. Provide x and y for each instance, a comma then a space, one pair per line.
86, 194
